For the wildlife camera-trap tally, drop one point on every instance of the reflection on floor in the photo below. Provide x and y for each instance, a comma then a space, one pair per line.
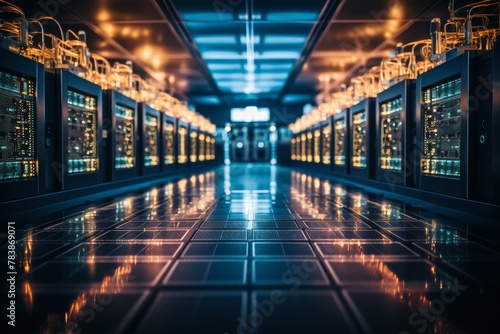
253, 249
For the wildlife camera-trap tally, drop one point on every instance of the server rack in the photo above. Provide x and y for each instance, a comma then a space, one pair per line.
316, 146
169, 143
202, 147
394, 124
150, 147
362, 149
120, 127
261, 146
485, 132
443, 126
303, 145
326, 143
309, 146
298, 148
78, 114
182, 144
22, 126
240, 145
293, 148
211, 148
493, 129
208, 148
193, 146
341, 141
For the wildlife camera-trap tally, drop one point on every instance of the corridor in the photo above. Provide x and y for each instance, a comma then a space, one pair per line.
253, 249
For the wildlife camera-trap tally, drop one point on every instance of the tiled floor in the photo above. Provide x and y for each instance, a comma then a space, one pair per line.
254, 249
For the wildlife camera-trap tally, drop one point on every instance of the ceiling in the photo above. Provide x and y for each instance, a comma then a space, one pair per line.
243, 52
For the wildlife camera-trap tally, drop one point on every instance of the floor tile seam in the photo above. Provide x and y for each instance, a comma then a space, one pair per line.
421, 254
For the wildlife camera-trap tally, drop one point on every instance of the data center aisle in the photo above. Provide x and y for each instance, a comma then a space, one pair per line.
253, 249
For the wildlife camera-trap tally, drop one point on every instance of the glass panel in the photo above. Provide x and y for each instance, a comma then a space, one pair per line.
194, 146
326, 131
17, 128
82, 130
201, 151
124, 138
391, 141
317, 153
359, 140
340, 142
182, 153
151, 152
442, 129
169, 157
309, 147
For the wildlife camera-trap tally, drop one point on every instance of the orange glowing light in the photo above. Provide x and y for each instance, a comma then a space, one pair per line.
103, 15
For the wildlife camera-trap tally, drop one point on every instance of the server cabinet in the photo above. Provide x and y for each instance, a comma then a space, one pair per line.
297, 147
149, 147
213, 148
202, 148
491, 130
183, 142
485, 132
293, 148
443, 126
261, 146
78, 112
341, 155
169, 143
394, 124
309, 146
193, 146
316, 140
326, 144
240, 147
303, 146
22, 126
210, 148
362, 117
122, 137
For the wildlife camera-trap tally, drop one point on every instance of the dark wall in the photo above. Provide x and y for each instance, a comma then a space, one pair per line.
280, 114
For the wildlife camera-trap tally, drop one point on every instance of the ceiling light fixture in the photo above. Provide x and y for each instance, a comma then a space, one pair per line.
250, 87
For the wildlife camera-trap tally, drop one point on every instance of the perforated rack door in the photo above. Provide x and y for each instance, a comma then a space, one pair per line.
443, 127
22, 126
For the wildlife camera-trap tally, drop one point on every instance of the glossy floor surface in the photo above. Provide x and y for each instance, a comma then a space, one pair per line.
253, 249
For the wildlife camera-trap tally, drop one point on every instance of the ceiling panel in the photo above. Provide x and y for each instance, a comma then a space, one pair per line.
210, 11
97, 10
287, 11
381, 10
248, 47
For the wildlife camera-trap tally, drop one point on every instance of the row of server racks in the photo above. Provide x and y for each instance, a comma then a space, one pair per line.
59, 132
439, 133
